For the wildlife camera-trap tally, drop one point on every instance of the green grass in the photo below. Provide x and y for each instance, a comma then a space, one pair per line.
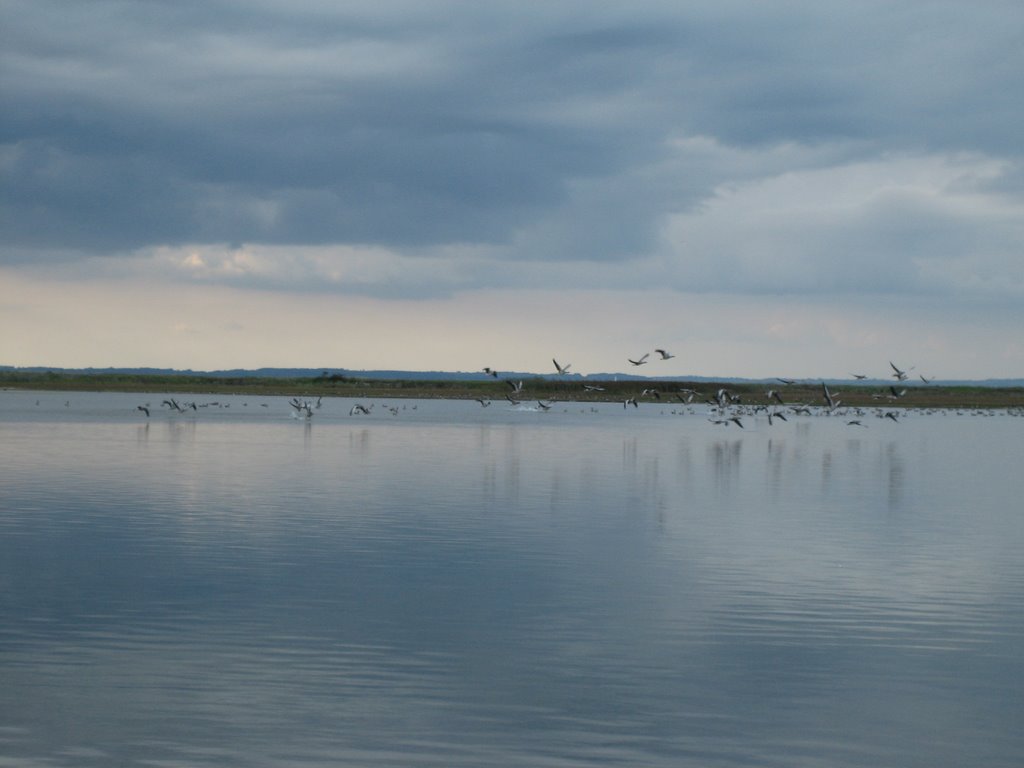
533, 389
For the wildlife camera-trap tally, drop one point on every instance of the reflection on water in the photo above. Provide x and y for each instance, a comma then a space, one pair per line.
724, 458
458, 586
894, 468
359, 442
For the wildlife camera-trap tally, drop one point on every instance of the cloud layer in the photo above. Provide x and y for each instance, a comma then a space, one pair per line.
418, 150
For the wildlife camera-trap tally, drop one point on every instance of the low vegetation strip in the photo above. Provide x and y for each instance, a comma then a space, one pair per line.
539, 388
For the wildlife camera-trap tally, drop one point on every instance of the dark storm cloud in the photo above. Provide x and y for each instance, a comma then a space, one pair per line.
412, 125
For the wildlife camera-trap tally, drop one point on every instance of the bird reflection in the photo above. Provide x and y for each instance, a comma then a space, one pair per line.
359, 442
896, 470
724, 457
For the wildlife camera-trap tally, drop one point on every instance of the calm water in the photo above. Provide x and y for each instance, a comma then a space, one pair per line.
450, 585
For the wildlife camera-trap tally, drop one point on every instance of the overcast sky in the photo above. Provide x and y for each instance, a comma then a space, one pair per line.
763, 188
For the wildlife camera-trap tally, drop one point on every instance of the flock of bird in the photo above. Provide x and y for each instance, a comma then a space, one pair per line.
725, 408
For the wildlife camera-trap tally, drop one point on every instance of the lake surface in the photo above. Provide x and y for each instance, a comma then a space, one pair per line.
449, 585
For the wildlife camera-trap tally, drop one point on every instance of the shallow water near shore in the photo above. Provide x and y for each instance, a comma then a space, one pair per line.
437, 583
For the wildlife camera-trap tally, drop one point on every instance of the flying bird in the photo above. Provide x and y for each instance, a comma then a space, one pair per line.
144, 409
664, 355
724, 397
301, 407
641, 361
491, 372
562, 369
832, 402
725, 422
901, 375
859, 376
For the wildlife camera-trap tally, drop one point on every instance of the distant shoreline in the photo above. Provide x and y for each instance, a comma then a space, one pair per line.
538, 388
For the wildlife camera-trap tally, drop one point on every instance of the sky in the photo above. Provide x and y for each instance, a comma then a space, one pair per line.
805, 189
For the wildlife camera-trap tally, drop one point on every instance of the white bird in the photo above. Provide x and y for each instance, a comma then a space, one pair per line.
641, 361
562, 369
664, 355
491, 372
724, 397
859, 376
359, 408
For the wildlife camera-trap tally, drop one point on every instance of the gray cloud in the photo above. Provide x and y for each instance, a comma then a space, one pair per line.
562, 134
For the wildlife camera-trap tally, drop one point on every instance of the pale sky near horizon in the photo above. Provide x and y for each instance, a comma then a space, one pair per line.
788, 188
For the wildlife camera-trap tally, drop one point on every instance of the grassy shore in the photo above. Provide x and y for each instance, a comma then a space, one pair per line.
852, 394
